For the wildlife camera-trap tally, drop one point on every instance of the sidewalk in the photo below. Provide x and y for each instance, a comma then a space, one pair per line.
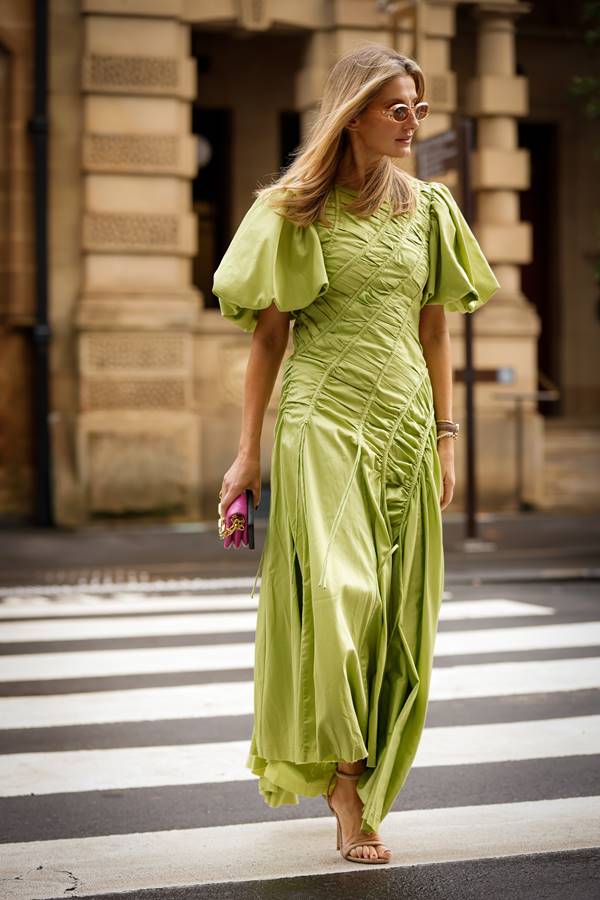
525, 547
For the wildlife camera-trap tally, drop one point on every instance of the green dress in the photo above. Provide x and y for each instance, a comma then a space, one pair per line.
352, 566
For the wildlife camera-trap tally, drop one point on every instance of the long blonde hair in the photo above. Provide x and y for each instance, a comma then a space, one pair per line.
300, 193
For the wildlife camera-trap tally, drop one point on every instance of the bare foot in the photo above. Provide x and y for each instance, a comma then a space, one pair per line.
349, 808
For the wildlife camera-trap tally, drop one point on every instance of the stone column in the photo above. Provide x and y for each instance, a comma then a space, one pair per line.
137, 446
339, 30
507, 328
438, 26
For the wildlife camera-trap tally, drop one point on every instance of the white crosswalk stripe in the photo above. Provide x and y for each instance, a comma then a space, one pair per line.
102, 587
235, 698
91, 604
133, 767
152, 626
216, 657
172, 857
204, 855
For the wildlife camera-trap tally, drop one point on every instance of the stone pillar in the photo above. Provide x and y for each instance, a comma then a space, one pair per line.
137, 442
344, 27
507, 328
438, 25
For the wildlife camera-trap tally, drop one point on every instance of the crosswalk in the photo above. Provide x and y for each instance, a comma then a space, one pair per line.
125, 717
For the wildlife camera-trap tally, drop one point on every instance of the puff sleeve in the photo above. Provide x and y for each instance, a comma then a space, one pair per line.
269, 260
460, 277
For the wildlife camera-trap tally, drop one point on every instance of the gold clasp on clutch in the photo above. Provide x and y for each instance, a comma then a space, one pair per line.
238, 523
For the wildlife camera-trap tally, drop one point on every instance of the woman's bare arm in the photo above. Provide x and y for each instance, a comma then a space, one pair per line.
435, 340
269, 342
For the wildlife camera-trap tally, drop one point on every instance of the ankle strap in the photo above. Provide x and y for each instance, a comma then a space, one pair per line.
347, 775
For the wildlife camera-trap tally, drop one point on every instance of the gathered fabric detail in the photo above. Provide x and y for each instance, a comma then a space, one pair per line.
340, 511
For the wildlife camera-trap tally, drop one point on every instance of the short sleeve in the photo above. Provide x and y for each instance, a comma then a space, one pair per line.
269, 260
460, 277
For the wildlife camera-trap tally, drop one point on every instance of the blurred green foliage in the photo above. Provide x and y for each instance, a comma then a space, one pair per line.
587, 87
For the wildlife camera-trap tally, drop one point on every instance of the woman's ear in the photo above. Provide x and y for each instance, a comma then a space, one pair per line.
352, 124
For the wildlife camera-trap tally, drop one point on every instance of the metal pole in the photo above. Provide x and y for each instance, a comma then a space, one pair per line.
38, 127
471, 479
519, 453
465, 131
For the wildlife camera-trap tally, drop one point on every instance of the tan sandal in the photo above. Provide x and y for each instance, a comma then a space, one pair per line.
350, 845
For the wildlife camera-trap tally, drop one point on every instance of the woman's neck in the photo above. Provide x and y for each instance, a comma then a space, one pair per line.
353, 173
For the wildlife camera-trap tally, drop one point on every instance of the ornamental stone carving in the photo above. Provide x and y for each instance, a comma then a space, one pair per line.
149, 72
135, 394
104, 352
132, 151
158, 231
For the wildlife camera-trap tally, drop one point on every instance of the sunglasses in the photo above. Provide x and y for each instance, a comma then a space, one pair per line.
399, 112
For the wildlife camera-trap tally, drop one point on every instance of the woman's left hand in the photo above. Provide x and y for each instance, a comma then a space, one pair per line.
446, 453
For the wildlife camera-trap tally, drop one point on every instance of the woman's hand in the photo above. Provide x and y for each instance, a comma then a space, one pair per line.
446, 454
244, 472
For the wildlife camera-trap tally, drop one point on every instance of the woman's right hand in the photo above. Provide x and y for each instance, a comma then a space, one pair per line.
244, 472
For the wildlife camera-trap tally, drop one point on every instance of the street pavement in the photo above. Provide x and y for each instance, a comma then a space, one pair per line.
126, 713
526, 547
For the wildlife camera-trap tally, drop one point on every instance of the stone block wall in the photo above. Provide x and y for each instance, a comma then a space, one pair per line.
148, 384
137, 437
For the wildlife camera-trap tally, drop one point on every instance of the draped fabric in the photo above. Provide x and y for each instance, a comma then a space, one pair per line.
352, 566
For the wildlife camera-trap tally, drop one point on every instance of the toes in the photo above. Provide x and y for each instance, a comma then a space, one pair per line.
367, 851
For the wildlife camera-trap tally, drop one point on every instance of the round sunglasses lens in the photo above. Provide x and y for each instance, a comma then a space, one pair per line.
421, 110
400, 113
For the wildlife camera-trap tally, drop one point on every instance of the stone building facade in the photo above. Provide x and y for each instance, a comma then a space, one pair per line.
164, 115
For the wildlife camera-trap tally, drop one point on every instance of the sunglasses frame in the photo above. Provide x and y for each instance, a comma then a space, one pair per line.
389, 113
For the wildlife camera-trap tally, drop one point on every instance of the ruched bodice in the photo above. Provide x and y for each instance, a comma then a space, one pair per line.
352, 564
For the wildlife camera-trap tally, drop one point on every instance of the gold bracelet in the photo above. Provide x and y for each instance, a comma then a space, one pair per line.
450, 434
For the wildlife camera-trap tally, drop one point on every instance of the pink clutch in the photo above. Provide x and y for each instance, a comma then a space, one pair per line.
237, 528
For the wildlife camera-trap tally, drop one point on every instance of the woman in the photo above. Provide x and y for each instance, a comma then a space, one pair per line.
365, 259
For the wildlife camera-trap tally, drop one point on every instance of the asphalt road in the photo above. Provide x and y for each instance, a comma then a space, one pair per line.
518, 548
125, 712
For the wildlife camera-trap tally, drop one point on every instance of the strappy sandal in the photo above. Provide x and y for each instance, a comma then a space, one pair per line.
350, 845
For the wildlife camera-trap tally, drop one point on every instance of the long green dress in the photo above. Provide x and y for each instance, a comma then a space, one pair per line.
352, 565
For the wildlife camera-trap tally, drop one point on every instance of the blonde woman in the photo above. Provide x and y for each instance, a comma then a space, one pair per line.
365, 259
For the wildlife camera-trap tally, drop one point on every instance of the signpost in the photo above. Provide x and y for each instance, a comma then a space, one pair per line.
437, 154
466, 144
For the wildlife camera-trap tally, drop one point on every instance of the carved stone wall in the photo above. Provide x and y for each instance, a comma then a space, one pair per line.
138, 432
147, 386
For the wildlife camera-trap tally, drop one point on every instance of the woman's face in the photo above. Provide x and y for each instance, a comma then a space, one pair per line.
381, 136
